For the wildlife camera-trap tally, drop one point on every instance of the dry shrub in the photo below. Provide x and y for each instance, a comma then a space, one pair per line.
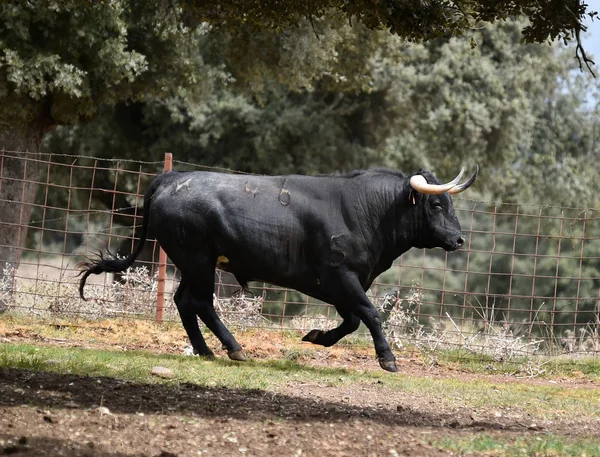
307, 322
6, 288
494, 339
585, 341
402, 327
401, 322
240, 310
134, 297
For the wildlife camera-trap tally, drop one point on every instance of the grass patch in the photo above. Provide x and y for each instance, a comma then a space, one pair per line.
536, 446
544, 401
170, 337
527, 366
137, 365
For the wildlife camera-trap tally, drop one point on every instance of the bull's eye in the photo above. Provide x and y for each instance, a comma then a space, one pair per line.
437, 205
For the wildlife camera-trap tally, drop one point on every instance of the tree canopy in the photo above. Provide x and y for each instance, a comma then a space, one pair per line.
62, 60
413, 20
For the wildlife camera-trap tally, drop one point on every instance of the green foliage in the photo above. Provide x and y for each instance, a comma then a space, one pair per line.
367, 99
411, 20
61, 61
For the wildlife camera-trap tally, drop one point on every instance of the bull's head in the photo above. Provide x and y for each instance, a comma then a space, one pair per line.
439, 226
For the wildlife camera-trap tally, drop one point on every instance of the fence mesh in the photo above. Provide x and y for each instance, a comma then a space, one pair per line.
526, 281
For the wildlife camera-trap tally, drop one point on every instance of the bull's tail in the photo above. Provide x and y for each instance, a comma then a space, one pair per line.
113, 265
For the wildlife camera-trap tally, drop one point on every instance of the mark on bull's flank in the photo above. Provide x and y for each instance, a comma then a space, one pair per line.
338, 247
185, 184
252, 192
284, 197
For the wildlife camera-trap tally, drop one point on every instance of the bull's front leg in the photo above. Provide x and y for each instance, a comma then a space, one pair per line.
372, 319
350, 295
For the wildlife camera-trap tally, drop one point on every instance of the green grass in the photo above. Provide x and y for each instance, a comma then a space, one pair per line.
539, 401
546, 401
532, 446
552, 366
160, 337
136, 366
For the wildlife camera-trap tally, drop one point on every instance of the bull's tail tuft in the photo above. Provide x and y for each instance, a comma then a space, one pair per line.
101, 265
113, 264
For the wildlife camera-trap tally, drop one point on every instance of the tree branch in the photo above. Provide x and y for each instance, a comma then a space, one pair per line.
313, 26
580, 54
579, 51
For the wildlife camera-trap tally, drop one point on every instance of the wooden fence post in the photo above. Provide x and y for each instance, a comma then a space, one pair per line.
162, 259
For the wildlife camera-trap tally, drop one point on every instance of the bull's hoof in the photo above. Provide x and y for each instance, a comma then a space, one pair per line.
388, 365
312, 336
237, 355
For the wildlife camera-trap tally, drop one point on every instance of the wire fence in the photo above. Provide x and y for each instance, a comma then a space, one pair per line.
526, 280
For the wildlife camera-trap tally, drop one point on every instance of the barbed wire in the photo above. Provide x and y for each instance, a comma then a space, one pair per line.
126, 208
78, 156
107, 231
135, 161
212, 167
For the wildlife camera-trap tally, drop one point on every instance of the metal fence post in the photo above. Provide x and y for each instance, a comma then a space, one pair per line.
162, 259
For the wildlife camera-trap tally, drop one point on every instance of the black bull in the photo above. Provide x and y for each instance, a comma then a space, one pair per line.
326, 236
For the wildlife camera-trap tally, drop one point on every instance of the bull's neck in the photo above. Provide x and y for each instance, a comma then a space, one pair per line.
402, 228
392, 223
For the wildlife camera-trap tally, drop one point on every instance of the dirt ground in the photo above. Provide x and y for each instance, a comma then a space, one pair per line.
46, 414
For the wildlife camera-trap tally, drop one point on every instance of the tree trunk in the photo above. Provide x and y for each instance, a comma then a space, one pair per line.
19, 173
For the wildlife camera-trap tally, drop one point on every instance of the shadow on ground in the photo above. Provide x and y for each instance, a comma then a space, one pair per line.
46, 390
26, 447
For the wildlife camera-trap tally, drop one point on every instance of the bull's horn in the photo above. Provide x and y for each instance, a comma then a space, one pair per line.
465, 185
420, 184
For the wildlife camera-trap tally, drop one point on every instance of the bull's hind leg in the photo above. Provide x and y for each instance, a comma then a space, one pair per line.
203, 299
330, 337
185, 306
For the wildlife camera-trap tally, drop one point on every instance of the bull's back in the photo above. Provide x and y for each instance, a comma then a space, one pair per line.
260, 227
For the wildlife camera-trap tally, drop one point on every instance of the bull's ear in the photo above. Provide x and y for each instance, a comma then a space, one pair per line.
414, 197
